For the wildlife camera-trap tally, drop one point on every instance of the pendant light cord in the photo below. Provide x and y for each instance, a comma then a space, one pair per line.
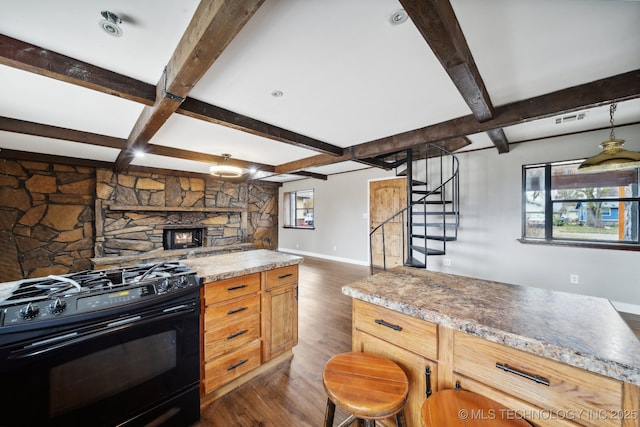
612, 109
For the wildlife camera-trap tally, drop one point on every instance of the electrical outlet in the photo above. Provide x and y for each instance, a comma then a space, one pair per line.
574, 279
446, 262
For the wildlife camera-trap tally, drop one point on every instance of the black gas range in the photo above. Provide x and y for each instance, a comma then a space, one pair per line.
116, 347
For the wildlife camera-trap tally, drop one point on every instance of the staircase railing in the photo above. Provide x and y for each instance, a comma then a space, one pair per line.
447, 186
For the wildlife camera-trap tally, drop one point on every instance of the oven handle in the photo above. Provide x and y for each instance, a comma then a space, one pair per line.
28, 350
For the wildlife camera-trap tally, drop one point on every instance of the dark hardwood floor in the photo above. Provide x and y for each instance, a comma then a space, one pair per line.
291, 394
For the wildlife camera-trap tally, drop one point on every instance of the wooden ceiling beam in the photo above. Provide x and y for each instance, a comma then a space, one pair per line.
618, 88
54, 132
162, 150
437, 22
52, 158
27, 57
210, 113
31, 58
214, 25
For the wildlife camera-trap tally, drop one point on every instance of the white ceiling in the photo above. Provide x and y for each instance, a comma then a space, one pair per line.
348, 76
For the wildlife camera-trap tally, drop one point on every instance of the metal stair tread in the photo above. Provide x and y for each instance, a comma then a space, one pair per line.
435, 237
430, 202
429, 251
435, 224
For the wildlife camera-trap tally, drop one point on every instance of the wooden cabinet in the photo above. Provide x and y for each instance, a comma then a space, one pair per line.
247, 322
548, 393
410, 342
231, 329
547, 386
280, 305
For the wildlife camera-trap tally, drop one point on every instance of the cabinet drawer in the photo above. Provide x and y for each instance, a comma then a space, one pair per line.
281, 276
569, 391
231, 336
229, 367
226, 289
215, 315
405, 331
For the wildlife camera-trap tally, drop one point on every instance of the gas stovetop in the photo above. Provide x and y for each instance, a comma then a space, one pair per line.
60, 296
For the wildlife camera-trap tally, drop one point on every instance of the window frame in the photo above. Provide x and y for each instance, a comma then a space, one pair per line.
548, 238
290, 209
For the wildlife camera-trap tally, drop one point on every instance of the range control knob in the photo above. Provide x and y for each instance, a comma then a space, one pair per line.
182, 282
29, 311
57, 306
166, 284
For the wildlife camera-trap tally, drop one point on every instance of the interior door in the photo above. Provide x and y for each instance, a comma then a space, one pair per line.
386, 198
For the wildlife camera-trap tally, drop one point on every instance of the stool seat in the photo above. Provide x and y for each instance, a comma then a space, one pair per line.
462, 408
368, 386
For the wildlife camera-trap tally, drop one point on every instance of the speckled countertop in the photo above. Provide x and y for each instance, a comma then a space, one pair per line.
226, 266
582, 331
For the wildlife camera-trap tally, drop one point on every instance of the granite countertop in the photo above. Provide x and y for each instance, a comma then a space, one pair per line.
582, 331
226, 266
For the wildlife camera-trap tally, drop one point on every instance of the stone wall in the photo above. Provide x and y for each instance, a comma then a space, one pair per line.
133, 209
50, 214
46, 219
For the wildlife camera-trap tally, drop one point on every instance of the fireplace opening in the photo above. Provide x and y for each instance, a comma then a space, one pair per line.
182, 238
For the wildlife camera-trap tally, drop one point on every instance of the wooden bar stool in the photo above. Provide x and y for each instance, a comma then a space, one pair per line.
461, 408
368, 386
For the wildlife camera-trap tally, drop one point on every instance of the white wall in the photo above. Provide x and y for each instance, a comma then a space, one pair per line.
490, 224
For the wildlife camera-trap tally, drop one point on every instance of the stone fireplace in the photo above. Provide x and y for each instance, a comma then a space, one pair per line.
137, 212
59, 219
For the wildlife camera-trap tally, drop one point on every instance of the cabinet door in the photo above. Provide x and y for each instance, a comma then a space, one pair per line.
281, 320
413, 365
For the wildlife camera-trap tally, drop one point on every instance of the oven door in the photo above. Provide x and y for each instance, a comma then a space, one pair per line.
134, 370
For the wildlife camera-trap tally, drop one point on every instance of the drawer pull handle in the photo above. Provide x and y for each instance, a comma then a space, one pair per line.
237, 334
237, 310
284, 276
388, 325
535, 378
232, 367
235, 288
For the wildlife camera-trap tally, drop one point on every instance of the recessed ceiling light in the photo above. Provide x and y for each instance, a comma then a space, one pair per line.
399, 16
277, 93
110, 23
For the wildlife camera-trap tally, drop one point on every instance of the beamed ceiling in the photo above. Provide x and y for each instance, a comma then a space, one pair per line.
299, 88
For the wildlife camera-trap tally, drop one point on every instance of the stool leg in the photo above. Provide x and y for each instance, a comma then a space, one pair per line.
400, 420
329, 413
369, 423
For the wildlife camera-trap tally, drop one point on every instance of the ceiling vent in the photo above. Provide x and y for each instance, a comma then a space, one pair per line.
570, 118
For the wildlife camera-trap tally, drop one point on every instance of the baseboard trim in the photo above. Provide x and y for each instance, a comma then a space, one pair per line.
626, 307
323, 256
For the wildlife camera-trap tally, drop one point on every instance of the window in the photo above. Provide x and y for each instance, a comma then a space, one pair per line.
589, 209
298, 209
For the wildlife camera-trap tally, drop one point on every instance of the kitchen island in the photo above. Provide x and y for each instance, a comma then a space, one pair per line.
559, 359
249, 319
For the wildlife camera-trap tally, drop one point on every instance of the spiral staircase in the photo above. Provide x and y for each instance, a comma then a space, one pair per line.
432, 215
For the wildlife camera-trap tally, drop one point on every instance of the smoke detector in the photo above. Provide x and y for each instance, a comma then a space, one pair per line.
110, 23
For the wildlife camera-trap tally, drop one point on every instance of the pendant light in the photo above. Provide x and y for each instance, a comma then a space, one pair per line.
613, 156
226, 170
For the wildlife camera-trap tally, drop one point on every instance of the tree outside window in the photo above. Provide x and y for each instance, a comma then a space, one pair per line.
562, 205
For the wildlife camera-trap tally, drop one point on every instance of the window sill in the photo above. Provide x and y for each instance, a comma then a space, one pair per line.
591, 245
298, 228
